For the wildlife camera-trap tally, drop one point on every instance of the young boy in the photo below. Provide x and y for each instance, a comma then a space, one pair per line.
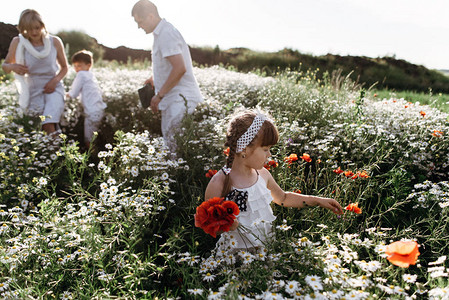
86, 85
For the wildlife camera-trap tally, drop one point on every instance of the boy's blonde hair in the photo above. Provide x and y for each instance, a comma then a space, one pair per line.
83, 56
28, 18
268, 135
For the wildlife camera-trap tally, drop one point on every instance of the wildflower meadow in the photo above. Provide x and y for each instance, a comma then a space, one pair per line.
117, 221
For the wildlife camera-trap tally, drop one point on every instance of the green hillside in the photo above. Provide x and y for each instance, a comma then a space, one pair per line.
383, 72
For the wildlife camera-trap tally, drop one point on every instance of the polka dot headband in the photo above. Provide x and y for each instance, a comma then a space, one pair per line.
250, 133
248, 136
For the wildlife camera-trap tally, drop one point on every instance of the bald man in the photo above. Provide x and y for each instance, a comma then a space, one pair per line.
172, 76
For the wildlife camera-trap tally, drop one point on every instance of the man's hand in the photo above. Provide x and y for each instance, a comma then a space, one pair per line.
150, 81
154, 103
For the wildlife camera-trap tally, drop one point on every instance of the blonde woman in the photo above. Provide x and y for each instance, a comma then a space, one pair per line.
39, 63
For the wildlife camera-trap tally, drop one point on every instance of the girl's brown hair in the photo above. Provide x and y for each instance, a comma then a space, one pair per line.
28, 18
268, 135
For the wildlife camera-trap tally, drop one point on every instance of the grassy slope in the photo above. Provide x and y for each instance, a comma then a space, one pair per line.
383, 73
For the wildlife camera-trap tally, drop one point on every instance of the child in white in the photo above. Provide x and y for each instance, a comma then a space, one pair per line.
86, 85
245, 181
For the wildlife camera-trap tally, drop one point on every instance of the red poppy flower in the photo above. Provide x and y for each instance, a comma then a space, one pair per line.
402, 254
354, 207
437, 133
226, 151
422, 113
211, 173
362, 174
338, 171
306, 157
271, 164
298, 191
291, 158
349, 174
216, 215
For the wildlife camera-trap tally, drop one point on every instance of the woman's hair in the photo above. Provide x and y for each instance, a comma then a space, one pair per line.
267, 135
83, 56
28, 18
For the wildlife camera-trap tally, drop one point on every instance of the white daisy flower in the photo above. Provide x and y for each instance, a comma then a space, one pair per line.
314, 282
195, 291
291, 287
209, 277
4, 286
409, 278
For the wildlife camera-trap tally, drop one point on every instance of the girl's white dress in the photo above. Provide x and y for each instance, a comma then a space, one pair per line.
255, 218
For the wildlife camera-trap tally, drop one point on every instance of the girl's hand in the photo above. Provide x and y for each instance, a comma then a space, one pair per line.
234, 225
20, 69
330, 204
50, 86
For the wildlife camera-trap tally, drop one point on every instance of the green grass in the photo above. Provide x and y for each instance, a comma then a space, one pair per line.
119, 223
3, 75
439, 100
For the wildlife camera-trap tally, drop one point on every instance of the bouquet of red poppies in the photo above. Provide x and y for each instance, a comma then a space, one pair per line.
215, 215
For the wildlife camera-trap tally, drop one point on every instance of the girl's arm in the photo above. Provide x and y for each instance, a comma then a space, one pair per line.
62, 61
289, 199
215, 186
10, 60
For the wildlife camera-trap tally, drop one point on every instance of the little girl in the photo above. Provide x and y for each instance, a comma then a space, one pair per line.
244, 180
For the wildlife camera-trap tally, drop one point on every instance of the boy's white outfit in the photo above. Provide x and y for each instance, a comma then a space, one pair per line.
168, 42
85, 85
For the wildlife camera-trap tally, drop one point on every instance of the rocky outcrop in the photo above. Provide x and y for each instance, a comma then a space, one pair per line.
7, 32
122, 54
